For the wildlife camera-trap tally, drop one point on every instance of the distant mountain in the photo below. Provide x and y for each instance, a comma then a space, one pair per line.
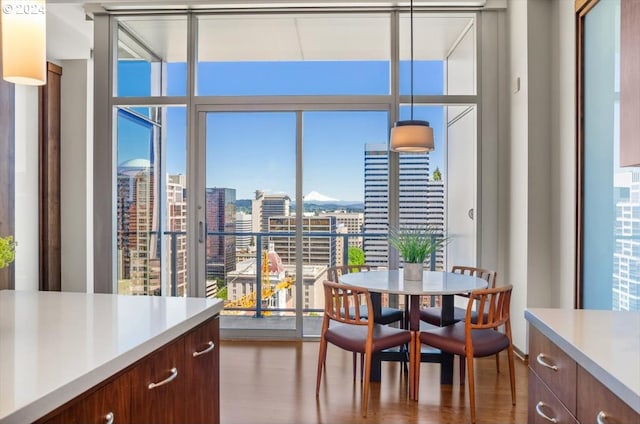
314, 196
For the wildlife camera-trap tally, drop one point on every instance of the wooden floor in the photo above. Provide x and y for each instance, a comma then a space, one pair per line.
274, 382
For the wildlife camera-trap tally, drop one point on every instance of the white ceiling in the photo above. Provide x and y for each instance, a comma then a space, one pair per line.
294, 37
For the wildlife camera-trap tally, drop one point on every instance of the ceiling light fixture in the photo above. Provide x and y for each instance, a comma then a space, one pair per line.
411, 135
24, 50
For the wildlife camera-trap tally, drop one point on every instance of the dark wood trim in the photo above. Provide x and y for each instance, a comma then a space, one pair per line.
7, 169
49, 178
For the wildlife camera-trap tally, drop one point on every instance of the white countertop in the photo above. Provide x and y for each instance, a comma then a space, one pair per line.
54, 346
605, 343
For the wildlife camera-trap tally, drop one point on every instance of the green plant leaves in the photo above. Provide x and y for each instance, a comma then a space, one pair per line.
415, 244
7, 251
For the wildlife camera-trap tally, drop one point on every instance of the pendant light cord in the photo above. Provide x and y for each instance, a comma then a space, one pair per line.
411, 47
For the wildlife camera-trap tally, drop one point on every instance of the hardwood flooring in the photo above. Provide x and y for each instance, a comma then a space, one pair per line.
274, 382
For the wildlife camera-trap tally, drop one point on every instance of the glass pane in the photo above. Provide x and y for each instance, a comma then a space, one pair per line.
250, 188
293, 54
422, 179
334, 196
441, 44
611, 245
151, 205
152, 56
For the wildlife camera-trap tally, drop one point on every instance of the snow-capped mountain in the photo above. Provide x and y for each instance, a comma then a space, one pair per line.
314, 196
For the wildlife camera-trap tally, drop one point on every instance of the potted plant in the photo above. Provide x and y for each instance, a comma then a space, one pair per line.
415, 244
7, 251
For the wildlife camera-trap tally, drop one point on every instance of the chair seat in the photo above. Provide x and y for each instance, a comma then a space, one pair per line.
451, 338
432, 315
353, 337
387, 315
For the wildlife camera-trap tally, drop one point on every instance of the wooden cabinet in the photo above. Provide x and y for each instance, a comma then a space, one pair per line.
108, 404
158, 387
202, 356
561, 390
176, 384
597, 403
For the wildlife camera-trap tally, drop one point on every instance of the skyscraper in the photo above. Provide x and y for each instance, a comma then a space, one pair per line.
421, 201
265, 206
221, 217
176, 239
314, 250
626, 256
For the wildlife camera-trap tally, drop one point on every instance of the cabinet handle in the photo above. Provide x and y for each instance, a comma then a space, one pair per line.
601, 418
108, 419
539, 407
541, 360
209, 348
174, 374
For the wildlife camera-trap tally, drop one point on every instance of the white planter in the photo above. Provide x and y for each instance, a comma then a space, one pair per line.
413, 272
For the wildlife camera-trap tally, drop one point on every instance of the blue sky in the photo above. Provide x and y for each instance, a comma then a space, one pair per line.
249, 151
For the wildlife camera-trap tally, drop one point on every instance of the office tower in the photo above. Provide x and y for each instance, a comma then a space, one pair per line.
314, 250
243, 225
137, 229
176, 235
626, 256
221, 217
265, 206
421, 201
352, 222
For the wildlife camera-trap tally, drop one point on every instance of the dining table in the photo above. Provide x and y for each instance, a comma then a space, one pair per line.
434, 283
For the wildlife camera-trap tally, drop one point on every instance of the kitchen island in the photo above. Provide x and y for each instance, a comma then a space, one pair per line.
584, 366
75, 357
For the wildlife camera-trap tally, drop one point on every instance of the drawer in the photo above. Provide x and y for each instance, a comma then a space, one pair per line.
554, 367
544, 407
595, 399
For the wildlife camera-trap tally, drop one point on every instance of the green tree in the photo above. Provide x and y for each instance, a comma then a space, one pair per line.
437, 175
356, 256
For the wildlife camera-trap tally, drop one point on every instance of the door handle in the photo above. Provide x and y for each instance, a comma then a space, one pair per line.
470, 213
201, 232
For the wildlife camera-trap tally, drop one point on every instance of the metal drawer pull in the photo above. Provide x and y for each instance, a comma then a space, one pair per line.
210, 347
539, 407
601, 418
174, 374
109, 418
541, 360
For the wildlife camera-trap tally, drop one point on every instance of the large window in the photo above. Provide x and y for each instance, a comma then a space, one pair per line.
252, 152
610, 201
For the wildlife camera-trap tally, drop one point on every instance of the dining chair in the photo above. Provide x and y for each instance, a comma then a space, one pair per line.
356, 333
433, 315
475, 339
387, 315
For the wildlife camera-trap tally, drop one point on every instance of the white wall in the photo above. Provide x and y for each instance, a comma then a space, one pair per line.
76, 176
539, 234
26, 190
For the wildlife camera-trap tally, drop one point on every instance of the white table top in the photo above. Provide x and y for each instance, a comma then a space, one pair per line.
605, 343
54, 346
433, 282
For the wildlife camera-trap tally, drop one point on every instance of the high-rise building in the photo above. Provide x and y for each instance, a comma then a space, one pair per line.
314, 250
221, 217
137, 228
421, 201
265, 206
176, 239
626, 256
352, 221
243, 225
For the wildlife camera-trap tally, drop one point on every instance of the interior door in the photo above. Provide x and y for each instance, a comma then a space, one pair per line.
461, 185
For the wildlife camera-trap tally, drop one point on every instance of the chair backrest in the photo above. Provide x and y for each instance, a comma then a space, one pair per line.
485, 274
334, 272
492, 307
342, 303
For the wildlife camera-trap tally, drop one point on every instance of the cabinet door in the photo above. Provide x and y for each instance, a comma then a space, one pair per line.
596, 403
157, 386
107, 405
544, 406
202, 355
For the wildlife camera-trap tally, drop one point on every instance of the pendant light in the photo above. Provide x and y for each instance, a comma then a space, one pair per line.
411, 135
24, 48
